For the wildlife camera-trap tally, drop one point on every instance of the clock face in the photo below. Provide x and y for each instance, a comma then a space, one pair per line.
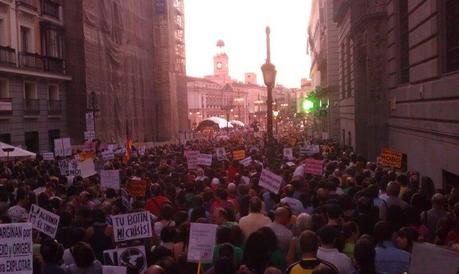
219, 65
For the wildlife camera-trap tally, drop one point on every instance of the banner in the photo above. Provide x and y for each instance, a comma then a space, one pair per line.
137, 187
131, 226
87, 168
48, 156
201, 243
270, 181
110, 179
16, 248
108, 155
314, 167
238, 155
44, 221
205, 159
124, 257
192, 158
390, 158
288, 153
246, 162
427, 259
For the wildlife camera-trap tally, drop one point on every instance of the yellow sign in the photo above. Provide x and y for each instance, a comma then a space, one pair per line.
390, 158
238, 155
87, 155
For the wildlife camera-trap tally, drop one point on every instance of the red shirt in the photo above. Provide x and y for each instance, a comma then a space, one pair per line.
231, 173
154, 204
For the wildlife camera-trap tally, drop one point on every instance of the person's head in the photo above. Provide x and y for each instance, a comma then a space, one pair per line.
327, 236
255, 205
220, 216
309, 244
406, 236
270, 238
382, 232
257, 250
52, 252
224, 235
166, 212
393, 189
168, 234
225, 260
334, 211
351, 231
438, 201
364, 256
98, 216
156, 189
303, 222
282, 215
402, 180
427, 186
83, 255
272, 270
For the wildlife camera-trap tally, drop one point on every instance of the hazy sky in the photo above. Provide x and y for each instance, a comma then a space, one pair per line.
241, 24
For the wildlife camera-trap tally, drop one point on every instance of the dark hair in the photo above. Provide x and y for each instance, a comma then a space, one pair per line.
166, 212
328, 235
255, 205
364, 254
308, 242
410, 235
256, 254
350, 228
98, 216
382, 232
168, 234
51, 251
223, 235
83, 255
333, 211
270, 238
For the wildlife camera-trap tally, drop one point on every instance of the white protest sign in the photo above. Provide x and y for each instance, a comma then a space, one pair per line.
87, 168
440, 259
89, 135
288, 153
69, 167
58, 147
90, 121
108, 155
16, 248
205, 159
129, 256
48, 156
221, 153
202, 242
67, 146
110, 269
131, 226
246, 162
110, 179
270, 181
192, 157
44, 221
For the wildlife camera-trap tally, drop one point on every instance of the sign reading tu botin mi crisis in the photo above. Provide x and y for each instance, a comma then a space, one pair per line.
131, 226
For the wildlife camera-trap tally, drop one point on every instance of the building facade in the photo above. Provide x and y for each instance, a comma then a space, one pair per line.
33, 73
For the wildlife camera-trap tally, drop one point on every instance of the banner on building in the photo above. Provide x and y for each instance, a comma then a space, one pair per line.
314, 167
16, 248
205, 159
270, 181
238, 155
110, 179
201, 242
44, 221
123, 257
137, 187
131, 226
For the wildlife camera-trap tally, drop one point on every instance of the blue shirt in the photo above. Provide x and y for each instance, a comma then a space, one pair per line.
391, 260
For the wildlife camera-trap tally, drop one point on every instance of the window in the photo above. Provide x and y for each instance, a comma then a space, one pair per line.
53, 134
348, 68
32, 141
404, 42
4, 89
26, 39
30, 91
3, 33
452, 35
349, 138
54, 44
343, 72
53, 93
5, 138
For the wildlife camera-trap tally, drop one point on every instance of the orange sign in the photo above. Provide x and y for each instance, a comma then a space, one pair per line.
390, 158
87, 155
137, 188
238, 155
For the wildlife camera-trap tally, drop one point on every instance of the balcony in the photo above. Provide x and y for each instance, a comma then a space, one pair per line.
54, 107
53, 64
6, 106
31, 4
7, 56
31, 107
31, 61
51, 8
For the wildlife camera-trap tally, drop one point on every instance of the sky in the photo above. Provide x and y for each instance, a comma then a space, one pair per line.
241, 25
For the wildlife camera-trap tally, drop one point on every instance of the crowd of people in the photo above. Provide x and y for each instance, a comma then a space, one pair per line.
357, 217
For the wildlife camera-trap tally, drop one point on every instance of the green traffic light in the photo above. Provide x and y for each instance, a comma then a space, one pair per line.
307, 105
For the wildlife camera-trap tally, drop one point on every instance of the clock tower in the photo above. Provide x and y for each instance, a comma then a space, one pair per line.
221, 62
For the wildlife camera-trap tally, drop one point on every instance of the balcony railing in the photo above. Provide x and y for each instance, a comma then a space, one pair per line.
54, 107
7, 56
54, 64
50, 8
31, 106
31, 4
31, 61
6, 106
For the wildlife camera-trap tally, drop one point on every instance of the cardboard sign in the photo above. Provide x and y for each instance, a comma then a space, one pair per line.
202, 242
428, 258
48, 156
221, 153
108, 155
314, 167
67, 146
246, 162
16, 248
288, 153
110, 179
137, 187
123, 257
390, 158
131, 226
205, 159
58, 147
87, 168
89, 136
44, 221
110, 269
192, 158
270, 181
238, 155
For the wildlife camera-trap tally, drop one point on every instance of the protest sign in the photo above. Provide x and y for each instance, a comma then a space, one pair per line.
270, 181
288, 153
390, 158
48, 156
205, 159
90, 121
192, 158
202, 242
58, 147
108, 155
238, 155
89, 136
246, 162
440, 259
131, 226
137, 187
67, 146
16, 248
221, 153
44, 221
110, 179
85, 155
110, 269
111, 147
314, 167
129, 256
69, 167
87, 168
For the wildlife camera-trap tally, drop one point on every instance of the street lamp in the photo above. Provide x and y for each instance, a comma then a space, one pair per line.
269, 77
276, 113
8, 150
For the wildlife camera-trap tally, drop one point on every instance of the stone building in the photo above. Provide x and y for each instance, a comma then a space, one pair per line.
33, 73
